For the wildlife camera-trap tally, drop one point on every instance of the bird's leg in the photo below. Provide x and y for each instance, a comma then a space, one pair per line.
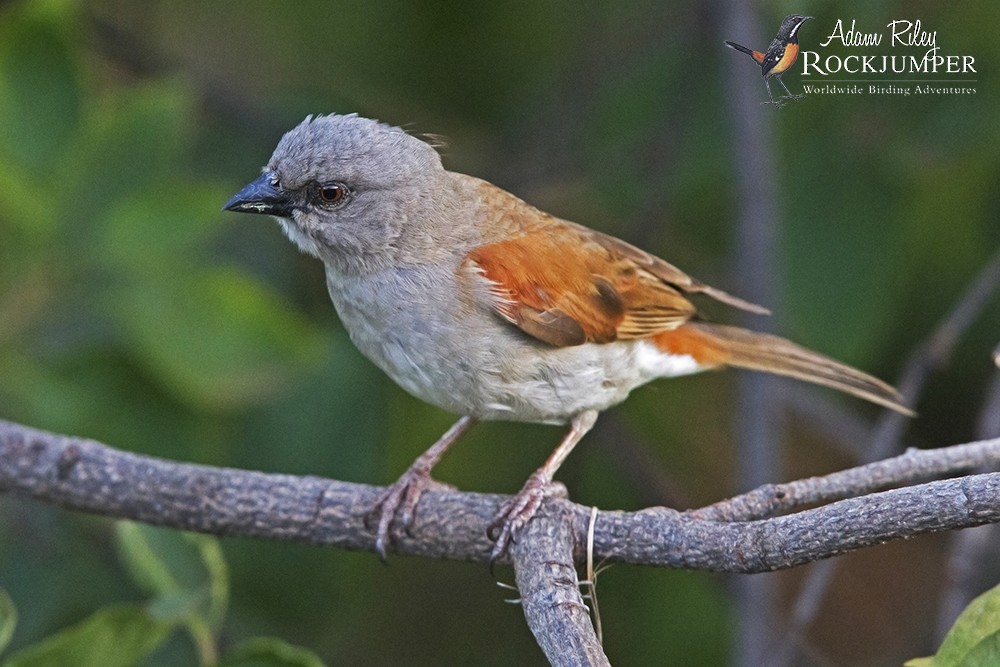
517, 511
777, 103
789, 95
395, 506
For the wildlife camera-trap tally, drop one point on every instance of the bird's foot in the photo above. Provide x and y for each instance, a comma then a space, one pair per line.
774, 103
792, 97
518, 511
396, 507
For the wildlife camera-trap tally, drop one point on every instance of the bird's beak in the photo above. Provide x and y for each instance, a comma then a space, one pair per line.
262, 196
806, 18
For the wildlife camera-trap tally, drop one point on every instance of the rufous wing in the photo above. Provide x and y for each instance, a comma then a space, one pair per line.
665, 271
566, 285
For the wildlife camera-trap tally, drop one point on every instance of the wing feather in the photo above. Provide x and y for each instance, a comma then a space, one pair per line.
565, 284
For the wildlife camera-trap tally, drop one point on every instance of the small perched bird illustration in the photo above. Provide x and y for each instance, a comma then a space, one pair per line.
781, 55
483, 305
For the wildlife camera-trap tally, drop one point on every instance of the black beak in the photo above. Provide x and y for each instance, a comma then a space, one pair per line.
264, 196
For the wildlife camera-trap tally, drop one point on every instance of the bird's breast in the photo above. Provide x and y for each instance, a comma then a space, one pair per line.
467, 360
787, 58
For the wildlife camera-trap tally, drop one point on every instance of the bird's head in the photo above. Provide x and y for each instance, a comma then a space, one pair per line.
790, 26
344, 187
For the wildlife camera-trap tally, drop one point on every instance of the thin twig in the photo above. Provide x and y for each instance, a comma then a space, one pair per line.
915, 464
931, 355
831, 420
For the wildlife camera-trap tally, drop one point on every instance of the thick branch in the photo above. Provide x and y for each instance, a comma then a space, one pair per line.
85, 475
664, 537
88, 476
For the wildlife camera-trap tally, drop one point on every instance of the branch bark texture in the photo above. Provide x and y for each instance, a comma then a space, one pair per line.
87, 476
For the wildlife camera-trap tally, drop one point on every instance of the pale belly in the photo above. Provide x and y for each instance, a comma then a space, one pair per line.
470, 362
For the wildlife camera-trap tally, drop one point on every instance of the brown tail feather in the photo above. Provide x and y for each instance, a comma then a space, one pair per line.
763, 352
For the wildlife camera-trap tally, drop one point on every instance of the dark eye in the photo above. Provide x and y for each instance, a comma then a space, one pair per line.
332, 192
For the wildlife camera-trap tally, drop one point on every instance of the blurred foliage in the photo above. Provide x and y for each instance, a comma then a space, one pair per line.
133, 311
186, 577
115, 636
974, 639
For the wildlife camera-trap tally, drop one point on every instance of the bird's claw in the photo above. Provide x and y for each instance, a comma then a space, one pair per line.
518, 511
395, 508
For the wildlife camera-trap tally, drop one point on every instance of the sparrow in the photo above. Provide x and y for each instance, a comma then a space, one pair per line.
479, 303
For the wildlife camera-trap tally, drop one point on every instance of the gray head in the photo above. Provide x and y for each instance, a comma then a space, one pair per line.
343, 187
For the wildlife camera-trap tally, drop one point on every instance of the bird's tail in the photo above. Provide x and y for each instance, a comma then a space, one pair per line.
719, 345
740, 48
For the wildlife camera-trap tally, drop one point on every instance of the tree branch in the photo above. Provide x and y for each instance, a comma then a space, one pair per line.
964, 575
915, 464
88, 476
550, 591
931, 355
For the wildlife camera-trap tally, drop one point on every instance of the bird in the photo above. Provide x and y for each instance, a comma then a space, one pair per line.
477, 302
780, 55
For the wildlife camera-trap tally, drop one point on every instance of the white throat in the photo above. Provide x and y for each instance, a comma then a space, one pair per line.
305, 242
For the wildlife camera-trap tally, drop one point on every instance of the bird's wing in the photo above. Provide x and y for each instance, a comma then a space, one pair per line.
772, 56
667, 272
566, 284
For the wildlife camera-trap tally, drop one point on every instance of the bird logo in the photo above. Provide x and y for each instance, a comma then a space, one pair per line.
780, 55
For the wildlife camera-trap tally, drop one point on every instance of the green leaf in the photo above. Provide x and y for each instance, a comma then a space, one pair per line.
185, 572
984, 654
974, 634
118, 636
269, 652
143, 559
8, 619
215, 337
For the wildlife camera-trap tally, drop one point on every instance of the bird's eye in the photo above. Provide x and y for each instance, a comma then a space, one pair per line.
332, 192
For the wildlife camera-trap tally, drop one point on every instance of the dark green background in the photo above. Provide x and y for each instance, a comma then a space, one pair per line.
133, 311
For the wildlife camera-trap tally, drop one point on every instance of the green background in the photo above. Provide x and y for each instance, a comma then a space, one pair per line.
134, 312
